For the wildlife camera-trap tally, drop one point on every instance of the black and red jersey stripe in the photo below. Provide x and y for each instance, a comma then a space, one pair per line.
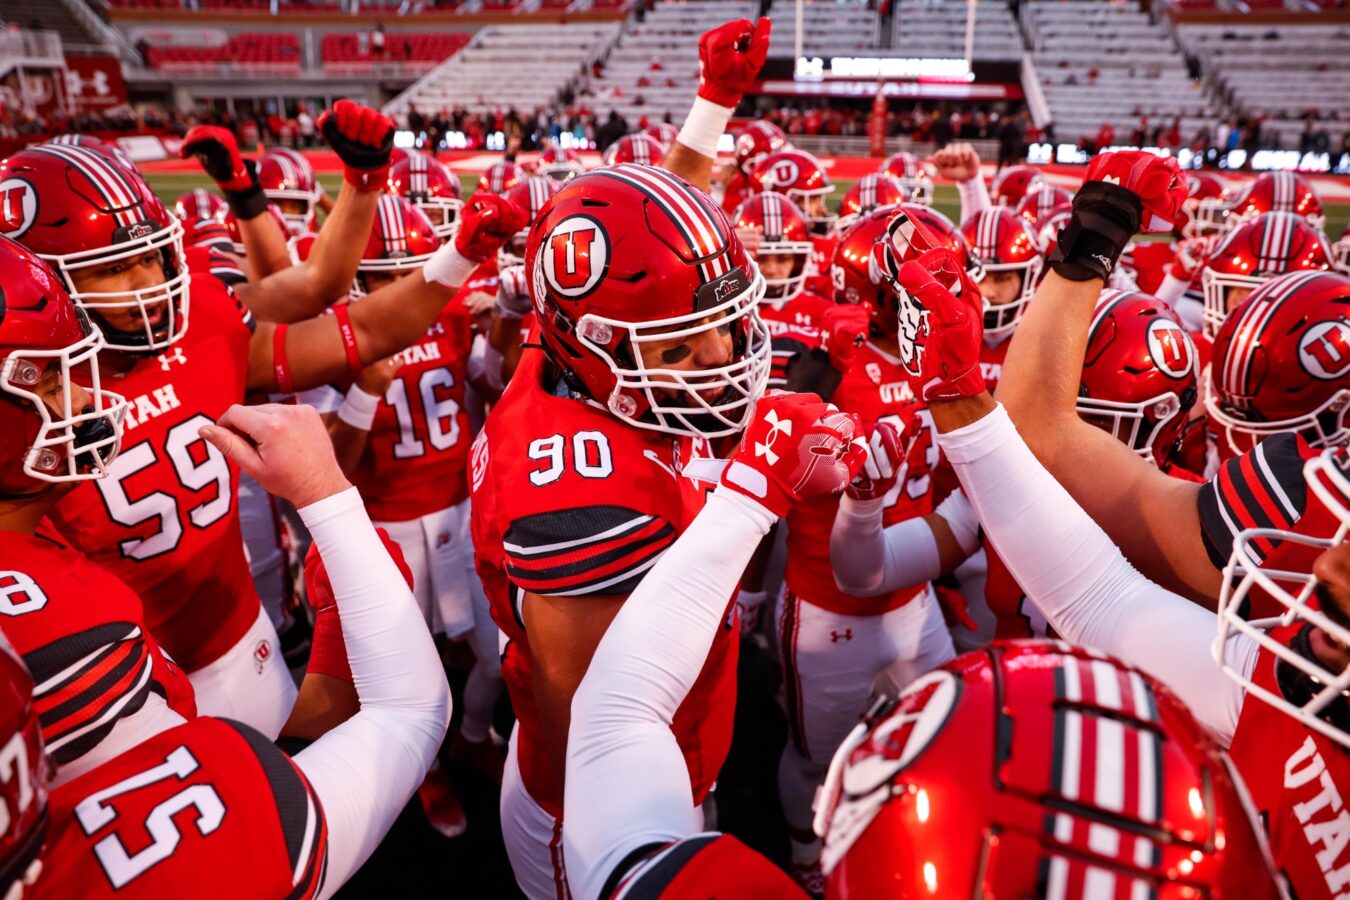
586, 551
1263, 488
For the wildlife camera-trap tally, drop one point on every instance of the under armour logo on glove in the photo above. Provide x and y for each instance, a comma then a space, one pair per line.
776, 426
796, 447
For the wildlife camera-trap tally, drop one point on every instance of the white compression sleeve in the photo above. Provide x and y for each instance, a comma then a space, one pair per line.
365, 769
868, 560
1082, 583
627, 783
974, 197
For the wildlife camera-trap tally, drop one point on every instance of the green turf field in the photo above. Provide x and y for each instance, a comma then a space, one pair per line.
169, 186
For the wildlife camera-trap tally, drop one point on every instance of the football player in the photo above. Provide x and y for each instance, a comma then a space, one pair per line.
165, 520
1276, 696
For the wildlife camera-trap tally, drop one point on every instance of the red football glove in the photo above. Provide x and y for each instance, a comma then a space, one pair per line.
885, 460
328, 651
955, 607
941, 326
797, 447
843, 329
729, 59
362, 138
218, 152
1157, 181
486, 222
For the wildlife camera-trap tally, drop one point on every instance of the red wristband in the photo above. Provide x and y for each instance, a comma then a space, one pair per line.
343, 315
327, 648
281, 369
366, 180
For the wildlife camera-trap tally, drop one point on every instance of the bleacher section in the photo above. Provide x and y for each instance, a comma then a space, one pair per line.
345, 53
831, 29
50, 16
938, 30
521, 66
1279, 71
256, 54
1100, 61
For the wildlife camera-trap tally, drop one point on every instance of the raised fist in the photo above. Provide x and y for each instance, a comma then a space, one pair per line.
218, 152
941, 327
797, 447
957, 162
362, 138
885, 460
486, 222
844, 330
1157, 181
729, 59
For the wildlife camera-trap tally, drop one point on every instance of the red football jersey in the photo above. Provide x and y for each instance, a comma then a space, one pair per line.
1151, 260
735, 193
794, 328
81, 632
875, 388
706, 865
821, 254
1297, 779
416, 460
991, 361
568, 501
210, 809
165, 520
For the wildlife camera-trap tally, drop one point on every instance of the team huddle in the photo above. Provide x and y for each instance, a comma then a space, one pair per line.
1047, 528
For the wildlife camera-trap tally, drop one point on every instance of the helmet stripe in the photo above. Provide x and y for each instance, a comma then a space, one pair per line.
111, 184
391, 224
683, 209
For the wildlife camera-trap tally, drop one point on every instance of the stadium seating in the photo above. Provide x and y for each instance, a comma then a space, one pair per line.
265, 53
1278, 71
521, 66
346, 49
938, 30
1100, 61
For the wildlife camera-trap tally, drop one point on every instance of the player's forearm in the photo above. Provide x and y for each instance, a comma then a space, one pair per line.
396, 316
265, 249
974, 196
348, 444
1044, 365
869, 559
695, 150
620, 743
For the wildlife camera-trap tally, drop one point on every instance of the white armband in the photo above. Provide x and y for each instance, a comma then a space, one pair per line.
448, 267
704, 127
358, 408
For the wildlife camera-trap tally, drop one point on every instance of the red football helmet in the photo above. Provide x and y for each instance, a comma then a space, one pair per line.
802, 178
530, 195
559, 163
402, 239
24, 779
1201, 211
500, 177
237, 240
770, 224
756, 141
1013, 183
99, 146
635, 148
628, 256
857, 278
1340, 252
81, 211
432, 188
664, 132
867, 193
1140, 374
287, 178
1043, 203
913, 176
200, 204
1016, 771
1270, 192
50, 430
1282, 363
1004, 242
1254, 252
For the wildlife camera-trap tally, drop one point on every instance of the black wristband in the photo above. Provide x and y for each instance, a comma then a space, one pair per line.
247, 204
1105, 217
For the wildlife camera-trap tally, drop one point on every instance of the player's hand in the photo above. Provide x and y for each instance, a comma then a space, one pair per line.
955, 607
487, 222
218, 152
284, 448
844, 330
941, 320
957, 162
885, 460
376, 377
513, 295
797, 447
729, 59
1156, 181
748, 606
362, 138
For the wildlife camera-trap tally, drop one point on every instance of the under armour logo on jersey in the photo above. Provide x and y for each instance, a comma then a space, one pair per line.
173, 356
776, 425
837, 636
